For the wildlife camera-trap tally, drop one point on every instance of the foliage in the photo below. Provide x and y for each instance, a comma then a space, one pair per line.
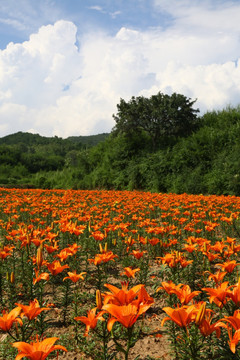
160, 116
202, 158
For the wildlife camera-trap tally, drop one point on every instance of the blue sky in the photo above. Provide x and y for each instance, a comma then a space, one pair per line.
64, 64
20, 18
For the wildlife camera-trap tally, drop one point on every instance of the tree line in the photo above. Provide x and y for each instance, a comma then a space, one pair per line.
158, 144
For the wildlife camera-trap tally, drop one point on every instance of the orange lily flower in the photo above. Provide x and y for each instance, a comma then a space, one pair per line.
235, 293
51, 236
153, 241
91, 320
211, 257
182, 291
127, 315
73, 248
121, 296
218, 296
103, 258
206, 328
129, 241
218, 277
185, 295
218, 247
55, 267
174, 258
143, 298
7, 319
66, 252
228, 266
39, 277
38, 350
98, 235
138, 254
129, 272
6, 251
169, 259
32, 310
169, 287
51, 248
182, 316
190, 247
233, 320
184, 262
233, 341
74, 276
63, 255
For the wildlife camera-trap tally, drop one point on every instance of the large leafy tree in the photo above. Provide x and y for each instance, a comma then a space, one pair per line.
160, 116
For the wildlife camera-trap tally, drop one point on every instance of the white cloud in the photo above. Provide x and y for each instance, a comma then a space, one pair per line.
96, 7
14, 23
28, 15
102, 10
201, 15
215, 85
115, 14
49, 86
36, 71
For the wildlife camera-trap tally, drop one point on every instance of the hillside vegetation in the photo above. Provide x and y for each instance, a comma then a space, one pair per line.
205, 160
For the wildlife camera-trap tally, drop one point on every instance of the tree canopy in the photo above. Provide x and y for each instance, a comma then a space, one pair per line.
160, 116
205, 161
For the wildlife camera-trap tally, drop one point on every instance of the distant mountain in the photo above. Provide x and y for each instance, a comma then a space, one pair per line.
36, 139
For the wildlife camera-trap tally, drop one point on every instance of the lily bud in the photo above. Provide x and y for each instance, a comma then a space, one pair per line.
12, 277
99, 299
129, 240
39, 259
205, 247
28, 240
201, 313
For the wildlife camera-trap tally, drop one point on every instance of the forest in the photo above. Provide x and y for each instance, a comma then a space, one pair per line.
158, 144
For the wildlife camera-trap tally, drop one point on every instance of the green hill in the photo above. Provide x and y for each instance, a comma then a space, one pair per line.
205, 161
36, 139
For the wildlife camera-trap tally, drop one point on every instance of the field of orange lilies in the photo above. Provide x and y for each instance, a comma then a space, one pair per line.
92, 274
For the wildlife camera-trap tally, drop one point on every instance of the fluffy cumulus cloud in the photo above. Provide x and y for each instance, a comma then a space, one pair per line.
50, 85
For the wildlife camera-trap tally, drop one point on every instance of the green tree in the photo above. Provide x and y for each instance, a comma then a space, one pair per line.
160, 116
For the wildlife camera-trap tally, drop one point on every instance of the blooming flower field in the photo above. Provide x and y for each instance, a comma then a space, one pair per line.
90, 274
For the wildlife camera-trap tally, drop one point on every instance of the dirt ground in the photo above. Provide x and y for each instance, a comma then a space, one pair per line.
150, 347
147, 348
153, 344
